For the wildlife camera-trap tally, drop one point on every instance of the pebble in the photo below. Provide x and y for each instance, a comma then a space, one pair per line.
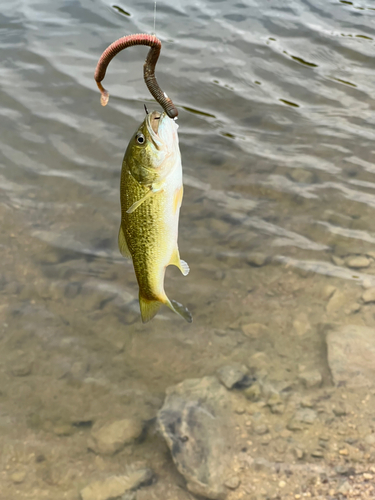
18, 477
339, 411
302, 176
345, 487
344, 471
301, 325
49, 256
232, 483
317, 454
274, 399
328, 291
259, 361
351, 355
311, 378
231, 375
63, 430
353, 308
260, 464
266, 439
294, 425
344, 452
257, 259
280, 445
306, 416
357, 262
220, 333
307, 403
116, 486
276, 404
72, 290
299, 454
336, 302
277, 409
368, 476
369, 295
367, 283
240, 410
261, 429
110, 438
370, 439
253, 330
282, 484
254, 392
22, 368
324, 437
338, 261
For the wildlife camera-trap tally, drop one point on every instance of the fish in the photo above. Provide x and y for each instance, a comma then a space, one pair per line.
151, 192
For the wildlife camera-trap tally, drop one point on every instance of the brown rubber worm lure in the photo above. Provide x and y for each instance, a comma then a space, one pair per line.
148, 69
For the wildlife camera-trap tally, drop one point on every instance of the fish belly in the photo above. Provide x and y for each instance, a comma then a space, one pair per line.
151, 231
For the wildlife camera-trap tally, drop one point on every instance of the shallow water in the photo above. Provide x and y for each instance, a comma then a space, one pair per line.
276, 132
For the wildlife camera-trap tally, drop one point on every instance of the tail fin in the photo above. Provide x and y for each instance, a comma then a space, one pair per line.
180, 309
148, 308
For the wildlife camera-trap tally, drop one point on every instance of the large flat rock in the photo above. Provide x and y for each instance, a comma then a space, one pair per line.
195, 422
351, 355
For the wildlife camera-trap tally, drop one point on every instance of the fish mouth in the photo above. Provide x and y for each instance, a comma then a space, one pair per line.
153, 122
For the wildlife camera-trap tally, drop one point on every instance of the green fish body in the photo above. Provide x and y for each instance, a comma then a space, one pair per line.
151, 194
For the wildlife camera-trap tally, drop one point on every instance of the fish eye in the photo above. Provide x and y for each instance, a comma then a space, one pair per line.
140, 138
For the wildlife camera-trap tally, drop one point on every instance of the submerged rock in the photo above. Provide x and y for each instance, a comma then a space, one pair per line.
117, 486
337, 302
232, 375
18, 477
257, 259
369, 295
254, 330
232, 482
22, 368
196, 424
357, 262
111, 438
311, 378
351, 355
305, 416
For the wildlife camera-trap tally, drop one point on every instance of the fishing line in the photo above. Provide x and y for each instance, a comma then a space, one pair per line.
154, 33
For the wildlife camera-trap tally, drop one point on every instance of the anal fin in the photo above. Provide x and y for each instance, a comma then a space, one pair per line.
122, 245
185, 269
181, 264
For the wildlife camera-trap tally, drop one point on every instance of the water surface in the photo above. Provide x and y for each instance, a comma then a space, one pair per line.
276, 116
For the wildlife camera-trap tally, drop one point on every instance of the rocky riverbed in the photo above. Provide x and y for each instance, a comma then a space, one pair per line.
276, 400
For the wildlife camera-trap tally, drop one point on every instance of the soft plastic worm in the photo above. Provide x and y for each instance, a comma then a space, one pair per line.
148, 69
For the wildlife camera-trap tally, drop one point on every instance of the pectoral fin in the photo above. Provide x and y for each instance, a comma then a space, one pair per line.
139, 202
181, 264
122, 245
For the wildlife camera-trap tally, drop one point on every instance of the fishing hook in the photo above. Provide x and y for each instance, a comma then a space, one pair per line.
148, 69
